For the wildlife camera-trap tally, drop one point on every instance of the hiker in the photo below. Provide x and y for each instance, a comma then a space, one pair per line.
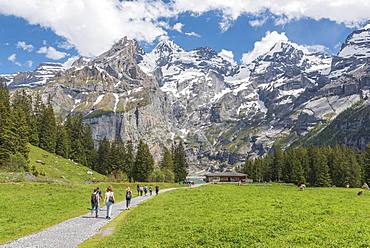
145, 190
138, 189
95, 203
128, 197
156, 189
99, 192
109, 201
141, 190
150, 190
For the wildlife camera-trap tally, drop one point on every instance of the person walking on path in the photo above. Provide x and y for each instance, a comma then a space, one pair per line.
141, 190
156, 189
150, 190
99, 192
109, 201
95, 199
145, 190
128, 197
138, 189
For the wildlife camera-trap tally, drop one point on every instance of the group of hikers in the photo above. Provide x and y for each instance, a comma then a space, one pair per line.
109, 199
145, 189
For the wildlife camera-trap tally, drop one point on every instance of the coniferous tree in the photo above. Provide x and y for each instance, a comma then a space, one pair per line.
75, 128
20, 131
354, 169
7, 142
166, 165
297, 172
23, 102
104, 157
35, 121
367, 164
89, 147
277, 165
144, 163
118, 155
321, 169
180, 164
166, 162
63, 143
47, 135
129, 160
249, 169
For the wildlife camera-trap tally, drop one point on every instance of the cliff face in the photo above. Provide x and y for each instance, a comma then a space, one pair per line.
224, 112
351, 128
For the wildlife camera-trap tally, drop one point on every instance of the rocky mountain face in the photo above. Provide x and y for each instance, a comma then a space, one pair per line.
36, 78
224, 112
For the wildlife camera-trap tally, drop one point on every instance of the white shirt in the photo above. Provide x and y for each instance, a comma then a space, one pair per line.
108, 195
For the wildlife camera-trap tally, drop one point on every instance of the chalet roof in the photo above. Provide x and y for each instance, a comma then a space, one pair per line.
225, 174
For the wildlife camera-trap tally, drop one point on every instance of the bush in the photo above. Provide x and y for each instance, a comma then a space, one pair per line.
169, 176
157, 176
34, 171
17, 163
118, 176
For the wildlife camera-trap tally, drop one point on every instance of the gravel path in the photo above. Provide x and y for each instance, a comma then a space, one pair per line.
72, 232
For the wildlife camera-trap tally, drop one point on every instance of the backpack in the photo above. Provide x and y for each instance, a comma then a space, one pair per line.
111, 199
94, 198
128, 195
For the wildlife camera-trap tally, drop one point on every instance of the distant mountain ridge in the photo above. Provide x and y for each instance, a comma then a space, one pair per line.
225, 112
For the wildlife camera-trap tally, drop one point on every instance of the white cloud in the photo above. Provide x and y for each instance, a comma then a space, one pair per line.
316, 48
258, 22
65, 45
264, 45
51, 53
12, 57
93, 25
227, 55
70, 61
268, 42
178, 27
29, 63
192, 34
341, 11
23, 45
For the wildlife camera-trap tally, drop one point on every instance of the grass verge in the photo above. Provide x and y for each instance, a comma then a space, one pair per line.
245, 216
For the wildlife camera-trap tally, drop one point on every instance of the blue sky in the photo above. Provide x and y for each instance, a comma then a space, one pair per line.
42, 43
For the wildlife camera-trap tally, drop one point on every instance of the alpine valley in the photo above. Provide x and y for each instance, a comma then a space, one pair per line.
224, 111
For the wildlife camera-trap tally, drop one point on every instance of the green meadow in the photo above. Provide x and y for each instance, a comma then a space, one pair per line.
244, 216
29, 204
29, 207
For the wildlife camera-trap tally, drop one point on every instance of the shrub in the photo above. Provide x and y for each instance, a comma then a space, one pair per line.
157, 176
17, 162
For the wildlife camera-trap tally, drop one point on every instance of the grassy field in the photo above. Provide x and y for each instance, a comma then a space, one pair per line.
29, 204
56, 169
29, 207
245, 216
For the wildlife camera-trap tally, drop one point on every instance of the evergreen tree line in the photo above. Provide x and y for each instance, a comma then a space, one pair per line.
123, 161
25, 120
315, 166
14, 132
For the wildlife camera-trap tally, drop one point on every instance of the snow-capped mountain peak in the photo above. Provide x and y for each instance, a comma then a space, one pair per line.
168, 46
357, 44
38, 77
